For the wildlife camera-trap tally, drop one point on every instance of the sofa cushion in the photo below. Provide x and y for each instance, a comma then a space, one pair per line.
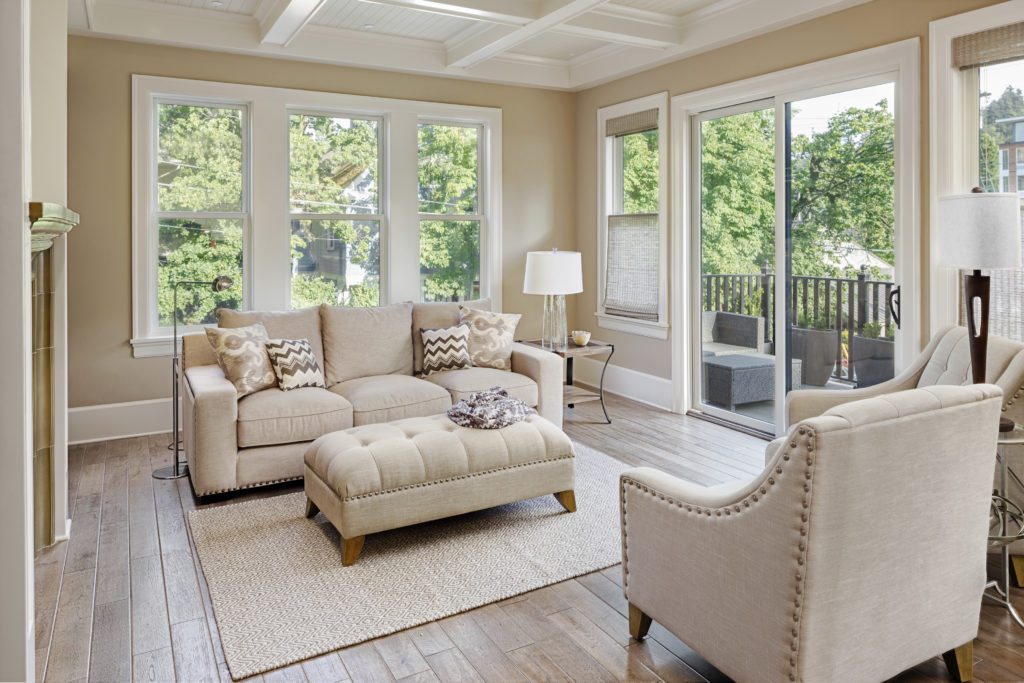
301, 324
490, 337
242, 355
435, 315
274, 416
362, 342
461, 383
384, 398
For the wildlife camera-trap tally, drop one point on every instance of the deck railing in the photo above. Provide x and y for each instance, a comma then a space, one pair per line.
843, 304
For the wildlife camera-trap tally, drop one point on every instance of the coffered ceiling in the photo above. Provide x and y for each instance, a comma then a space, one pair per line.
561, 44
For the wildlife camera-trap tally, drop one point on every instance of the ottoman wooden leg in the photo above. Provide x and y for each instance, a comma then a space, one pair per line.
960, 662
311, 508
350, 549
567, 499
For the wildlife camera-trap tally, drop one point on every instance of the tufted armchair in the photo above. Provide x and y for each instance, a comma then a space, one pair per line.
946, 360
858, 553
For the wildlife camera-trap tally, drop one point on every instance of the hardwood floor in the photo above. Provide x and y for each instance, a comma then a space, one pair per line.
125, 598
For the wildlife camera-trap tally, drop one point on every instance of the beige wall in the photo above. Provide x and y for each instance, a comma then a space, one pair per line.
859, 28
538, 202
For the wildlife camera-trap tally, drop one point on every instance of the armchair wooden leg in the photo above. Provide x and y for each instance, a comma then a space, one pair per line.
639, 623
311, 508
350, 549
960, 662
567, 499
1017, 570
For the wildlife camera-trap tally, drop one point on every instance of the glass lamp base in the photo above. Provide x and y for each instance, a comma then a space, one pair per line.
555, 329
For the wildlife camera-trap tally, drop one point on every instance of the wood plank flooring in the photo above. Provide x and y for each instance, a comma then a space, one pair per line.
126, 600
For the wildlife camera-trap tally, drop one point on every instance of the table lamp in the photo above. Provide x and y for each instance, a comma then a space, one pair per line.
554, 274
979, 231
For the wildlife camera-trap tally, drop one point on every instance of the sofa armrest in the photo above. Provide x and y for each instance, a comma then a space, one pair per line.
544, 368
210, 423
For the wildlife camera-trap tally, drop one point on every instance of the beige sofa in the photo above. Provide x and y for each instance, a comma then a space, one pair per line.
371, 358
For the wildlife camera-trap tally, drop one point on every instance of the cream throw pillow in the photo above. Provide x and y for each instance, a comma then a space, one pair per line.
242, 355
490, 337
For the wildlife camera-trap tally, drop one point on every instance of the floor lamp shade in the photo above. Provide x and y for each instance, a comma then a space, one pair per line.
554, 274
976, 232
979, 231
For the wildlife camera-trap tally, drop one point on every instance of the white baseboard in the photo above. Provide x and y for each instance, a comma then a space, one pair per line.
119, 420
631, 384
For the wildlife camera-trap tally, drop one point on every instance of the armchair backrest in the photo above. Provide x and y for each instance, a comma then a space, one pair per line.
894, 537
948, 361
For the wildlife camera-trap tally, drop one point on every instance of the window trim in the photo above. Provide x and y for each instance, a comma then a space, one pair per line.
268, 253
609, 157
952, 137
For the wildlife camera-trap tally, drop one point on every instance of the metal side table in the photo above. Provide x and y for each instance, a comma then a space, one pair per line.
573, 394
1007, 524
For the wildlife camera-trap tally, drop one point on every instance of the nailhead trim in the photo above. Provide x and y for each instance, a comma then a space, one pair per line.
801, 557
247, 486
471, 475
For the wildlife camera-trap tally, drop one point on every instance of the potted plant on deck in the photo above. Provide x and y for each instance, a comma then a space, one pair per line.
815, 345
873, 352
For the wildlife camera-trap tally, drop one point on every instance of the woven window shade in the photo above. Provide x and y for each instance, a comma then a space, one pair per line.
637, 122
631, 272
995, 45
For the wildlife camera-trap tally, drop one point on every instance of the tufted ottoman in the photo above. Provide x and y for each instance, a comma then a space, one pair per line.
384, 476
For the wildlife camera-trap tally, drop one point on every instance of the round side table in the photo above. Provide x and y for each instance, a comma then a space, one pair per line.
1007, 523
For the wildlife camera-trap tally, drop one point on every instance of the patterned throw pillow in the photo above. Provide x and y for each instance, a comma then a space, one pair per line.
490, 337
295, 364
243, 357
445, 348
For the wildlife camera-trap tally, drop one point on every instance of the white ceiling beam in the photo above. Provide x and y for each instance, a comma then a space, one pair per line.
499, 39
165, 24
505, 12
607, 24
281, 20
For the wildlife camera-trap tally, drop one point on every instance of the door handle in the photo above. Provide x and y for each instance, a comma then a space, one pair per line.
894, 305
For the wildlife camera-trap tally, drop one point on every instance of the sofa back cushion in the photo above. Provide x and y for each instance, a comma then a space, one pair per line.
359, 342
301, 324
435, 316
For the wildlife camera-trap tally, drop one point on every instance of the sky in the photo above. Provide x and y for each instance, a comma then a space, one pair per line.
812, 115
995, 78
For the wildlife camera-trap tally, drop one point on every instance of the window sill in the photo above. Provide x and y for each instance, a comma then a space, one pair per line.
644, 328
153, 347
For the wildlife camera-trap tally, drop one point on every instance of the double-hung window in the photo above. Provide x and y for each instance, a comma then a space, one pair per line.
335, 204
632, 284
450, 210
305, 198
199, 225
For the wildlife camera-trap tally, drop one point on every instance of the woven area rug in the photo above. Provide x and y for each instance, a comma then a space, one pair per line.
280, 594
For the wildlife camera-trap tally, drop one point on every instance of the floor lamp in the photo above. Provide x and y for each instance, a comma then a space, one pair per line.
180, 469
979, 231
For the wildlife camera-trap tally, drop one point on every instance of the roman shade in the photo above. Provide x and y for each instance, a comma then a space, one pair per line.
631, 266
637, 122
995, 45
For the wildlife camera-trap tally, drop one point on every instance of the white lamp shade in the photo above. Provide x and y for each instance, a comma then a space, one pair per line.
553, 272
979, 231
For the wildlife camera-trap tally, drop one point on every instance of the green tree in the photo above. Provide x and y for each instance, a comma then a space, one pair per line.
1010, 104
640, 170
738, 192
448, 185
199, 169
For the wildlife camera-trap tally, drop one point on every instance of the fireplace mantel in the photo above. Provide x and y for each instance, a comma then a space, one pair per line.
49, 221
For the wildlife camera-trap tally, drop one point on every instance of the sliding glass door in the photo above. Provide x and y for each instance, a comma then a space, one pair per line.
794, 248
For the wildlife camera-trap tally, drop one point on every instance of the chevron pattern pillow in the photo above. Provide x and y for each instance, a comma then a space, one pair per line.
445, 348
295, 364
